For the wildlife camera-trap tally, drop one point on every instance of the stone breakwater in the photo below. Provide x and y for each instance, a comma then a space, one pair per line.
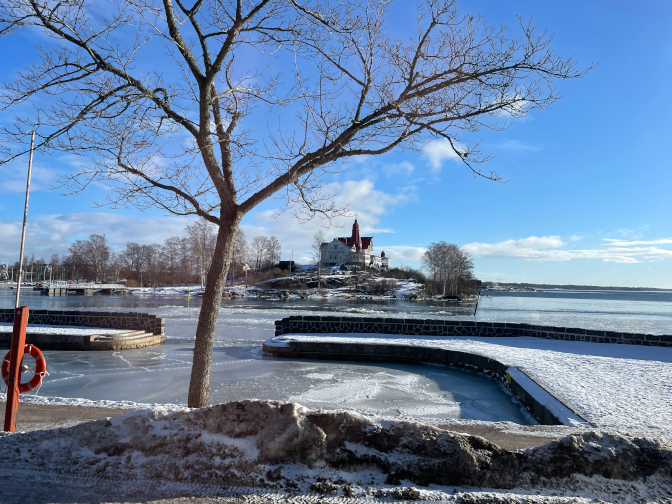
144, 329
438, 327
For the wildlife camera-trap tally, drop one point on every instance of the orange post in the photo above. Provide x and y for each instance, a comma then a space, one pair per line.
15, 358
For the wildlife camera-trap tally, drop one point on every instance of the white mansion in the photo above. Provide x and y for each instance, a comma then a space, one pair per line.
353, 250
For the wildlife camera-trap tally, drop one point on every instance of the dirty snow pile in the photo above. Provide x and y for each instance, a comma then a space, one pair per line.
281, 445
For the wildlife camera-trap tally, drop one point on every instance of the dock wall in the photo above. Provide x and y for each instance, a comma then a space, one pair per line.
143, 329
437, 327
132, 321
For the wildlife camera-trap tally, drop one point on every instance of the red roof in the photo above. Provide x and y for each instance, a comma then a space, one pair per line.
366, 241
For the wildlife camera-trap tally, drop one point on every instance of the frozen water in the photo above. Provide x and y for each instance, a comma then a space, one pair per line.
613, 386
240, 370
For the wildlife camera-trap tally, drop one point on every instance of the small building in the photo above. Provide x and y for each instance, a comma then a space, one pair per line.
287, 265
354, 249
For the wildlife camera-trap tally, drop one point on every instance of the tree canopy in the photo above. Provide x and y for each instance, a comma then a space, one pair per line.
209, 107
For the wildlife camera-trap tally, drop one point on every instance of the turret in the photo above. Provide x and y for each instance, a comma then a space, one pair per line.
356, 240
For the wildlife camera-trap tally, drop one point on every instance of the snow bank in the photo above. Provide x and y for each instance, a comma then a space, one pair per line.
6, 327
279, 444
67, 401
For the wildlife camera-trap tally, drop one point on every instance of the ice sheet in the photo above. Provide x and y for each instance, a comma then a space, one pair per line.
622, 387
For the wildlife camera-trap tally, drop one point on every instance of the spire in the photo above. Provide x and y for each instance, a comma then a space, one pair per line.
356, 240
382, 254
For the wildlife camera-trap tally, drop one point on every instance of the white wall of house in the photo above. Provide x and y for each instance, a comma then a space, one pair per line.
336, 253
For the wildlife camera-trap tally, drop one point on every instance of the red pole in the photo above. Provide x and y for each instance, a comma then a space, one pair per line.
15, 358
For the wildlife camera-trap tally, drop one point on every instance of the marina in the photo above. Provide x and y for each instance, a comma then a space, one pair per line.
241, 370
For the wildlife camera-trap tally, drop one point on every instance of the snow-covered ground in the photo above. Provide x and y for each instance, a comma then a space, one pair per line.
404, 288
291, 451
621, 387
6, 327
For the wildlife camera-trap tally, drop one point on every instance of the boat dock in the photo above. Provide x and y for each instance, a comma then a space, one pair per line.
60, 289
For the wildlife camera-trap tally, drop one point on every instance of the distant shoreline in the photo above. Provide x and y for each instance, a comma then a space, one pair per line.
580, 287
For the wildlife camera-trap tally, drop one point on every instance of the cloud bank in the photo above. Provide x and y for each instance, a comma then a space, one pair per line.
548, 248
53, 234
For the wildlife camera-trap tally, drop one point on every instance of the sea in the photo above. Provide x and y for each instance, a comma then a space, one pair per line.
242, 371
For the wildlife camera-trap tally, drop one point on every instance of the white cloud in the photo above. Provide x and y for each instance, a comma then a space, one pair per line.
629, 233
368, 203
525, 247
516, 107
53, 234
629, 243
404, 253
532, 249
575, 237
396, 168
14, 177
438, 151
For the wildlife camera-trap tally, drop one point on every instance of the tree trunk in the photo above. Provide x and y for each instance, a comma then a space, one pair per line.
199, 386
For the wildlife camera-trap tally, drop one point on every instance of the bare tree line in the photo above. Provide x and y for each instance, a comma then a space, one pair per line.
449, 269
178, 260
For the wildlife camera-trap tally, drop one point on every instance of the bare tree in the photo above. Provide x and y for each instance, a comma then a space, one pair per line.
448, 265
258, 249
55, 263
273, 252
101, 90
185, 260
316, 253
97, 255
171, 256
202, 235
134, 258
75, 261
240, 252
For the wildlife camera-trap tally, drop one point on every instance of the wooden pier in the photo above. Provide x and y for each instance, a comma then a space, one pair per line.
54, 289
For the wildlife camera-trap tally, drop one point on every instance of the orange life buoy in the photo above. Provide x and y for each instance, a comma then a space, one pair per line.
40, 368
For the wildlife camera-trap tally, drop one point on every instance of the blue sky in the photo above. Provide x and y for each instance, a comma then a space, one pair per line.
588, 194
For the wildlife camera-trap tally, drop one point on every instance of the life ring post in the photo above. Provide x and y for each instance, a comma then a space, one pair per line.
16, 356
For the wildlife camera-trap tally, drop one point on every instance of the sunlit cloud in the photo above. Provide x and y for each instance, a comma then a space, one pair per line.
439, 151
404, 252
629, 243
53, 234
363, 199
547, 248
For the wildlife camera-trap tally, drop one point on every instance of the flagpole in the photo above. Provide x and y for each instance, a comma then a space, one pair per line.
25, 215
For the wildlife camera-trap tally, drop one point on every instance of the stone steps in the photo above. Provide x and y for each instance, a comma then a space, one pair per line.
125, 341
140, 329
121, 341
